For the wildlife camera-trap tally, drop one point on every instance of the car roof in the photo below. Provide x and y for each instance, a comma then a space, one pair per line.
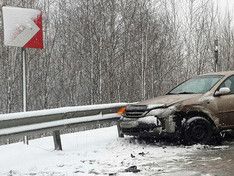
224, 73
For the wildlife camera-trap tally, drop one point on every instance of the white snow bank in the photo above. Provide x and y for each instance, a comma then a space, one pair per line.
94, 152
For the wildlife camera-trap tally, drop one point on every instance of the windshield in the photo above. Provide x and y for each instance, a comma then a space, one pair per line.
197, 85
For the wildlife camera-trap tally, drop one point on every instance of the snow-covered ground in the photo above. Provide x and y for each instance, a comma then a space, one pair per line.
98, 152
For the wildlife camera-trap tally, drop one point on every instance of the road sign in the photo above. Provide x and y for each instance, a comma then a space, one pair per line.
22, 27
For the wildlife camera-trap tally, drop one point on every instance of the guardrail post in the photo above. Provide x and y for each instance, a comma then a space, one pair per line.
120, 133
57, 140
25, 139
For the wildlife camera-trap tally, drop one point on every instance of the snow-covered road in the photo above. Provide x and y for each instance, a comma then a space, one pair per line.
101, 152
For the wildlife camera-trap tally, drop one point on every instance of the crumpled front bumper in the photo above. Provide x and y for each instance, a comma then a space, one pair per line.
149, 126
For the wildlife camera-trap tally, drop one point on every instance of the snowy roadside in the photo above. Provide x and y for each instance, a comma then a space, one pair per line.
95, 152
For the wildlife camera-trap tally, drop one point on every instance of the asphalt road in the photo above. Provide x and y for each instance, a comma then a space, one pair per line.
204, 160
213, 160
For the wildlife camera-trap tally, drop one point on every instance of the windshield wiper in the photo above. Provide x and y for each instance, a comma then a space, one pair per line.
171, 93
186, 93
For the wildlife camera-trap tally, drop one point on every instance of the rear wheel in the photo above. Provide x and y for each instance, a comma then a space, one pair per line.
197, 130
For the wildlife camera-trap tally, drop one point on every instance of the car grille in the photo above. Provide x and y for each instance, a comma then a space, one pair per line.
135, 111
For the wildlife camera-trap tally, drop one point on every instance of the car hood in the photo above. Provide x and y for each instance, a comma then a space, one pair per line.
168, 100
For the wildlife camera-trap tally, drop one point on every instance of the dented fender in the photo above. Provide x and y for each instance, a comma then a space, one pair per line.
188, 110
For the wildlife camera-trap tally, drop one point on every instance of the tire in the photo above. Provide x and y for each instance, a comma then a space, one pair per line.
197, 130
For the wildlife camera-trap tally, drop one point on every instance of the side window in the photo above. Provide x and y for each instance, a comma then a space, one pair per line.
229, 83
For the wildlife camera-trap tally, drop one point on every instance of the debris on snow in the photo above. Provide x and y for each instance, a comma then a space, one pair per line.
132, 169
141, 153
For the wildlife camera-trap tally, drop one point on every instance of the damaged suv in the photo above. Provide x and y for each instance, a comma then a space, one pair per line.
195, 111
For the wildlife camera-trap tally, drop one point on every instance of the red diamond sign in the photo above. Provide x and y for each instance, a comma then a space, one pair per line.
22, 27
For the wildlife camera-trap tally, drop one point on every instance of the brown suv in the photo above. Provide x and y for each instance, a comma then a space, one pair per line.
194, 111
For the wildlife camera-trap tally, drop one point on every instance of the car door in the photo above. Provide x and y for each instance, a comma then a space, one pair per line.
225, 104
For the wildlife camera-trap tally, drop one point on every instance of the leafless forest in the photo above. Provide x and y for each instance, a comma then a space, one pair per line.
101, 51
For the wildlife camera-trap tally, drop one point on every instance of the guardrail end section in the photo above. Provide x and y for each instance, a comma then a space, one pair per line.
57, 140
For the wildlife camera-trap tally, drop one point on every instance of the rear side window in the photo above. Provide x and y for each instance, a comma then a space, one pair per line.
229, 82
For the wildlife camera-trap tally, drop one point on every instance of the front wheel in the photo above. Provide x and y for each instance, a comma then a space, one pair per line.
197, 130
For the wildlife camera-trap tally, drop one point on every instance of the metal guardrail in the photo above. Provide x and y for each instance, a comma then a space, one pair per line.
55, 121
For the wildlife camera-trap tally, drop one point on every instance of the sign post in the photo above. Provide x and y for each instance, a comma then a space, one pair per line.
216, 54
23, 28
24, 88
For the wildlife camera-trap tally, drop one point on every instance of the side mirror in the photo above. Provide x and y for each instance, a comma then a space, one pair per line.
222, 91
